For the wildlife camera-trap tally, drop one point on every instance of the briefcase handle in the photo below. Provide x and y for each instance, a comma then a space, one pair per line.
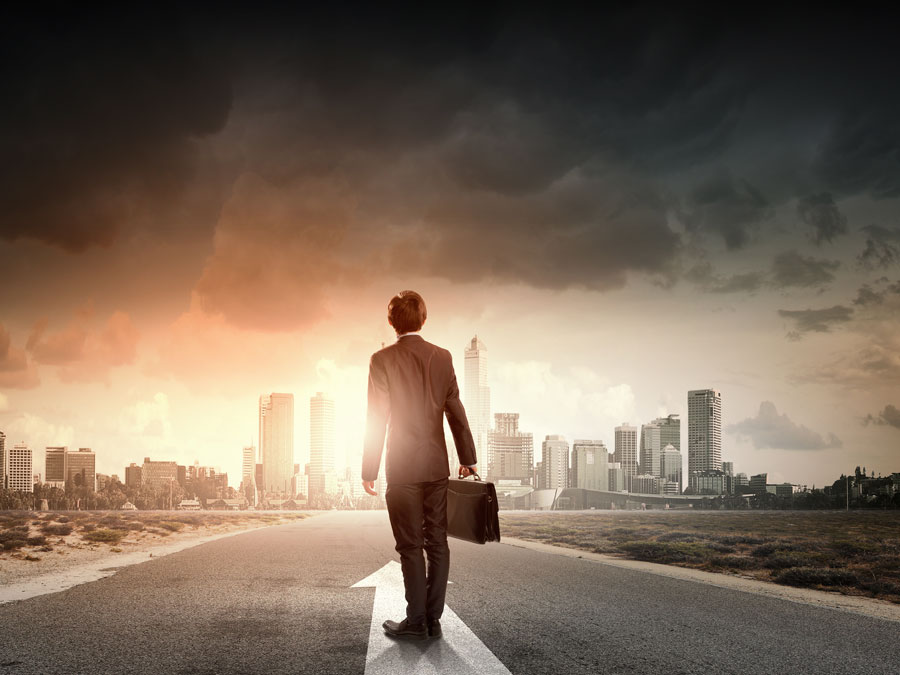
473, 473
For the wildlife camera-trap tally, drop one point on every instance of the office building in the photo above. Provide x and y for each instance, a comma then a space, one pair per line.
21, 476
55, 468
248, 464
650, 449
554, 462
708, 483
670, 466
757, 483
81, 469
322, 477
477, 395
616, 477
276, 442
626, 451
669, 431
704, 430
158, 475
510, 453
589, 468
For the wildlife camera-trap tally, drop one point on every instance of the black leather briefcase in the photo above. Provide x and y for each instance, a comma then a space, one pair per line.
472, 510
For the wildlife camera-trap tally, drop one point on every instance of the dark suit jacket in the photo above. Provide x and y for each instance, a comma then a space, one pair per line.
411, 387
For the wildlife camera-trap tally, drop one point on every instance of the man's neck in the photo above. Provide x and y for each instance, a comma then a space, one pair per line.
413, 332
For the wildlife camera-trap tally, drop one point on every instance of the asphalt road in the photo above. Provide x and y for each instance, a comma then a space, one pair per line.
279, 600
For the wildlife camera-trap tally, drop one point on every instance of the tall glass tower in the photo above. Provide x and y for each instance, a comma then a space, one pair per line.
276, 442
321, 442
477, 396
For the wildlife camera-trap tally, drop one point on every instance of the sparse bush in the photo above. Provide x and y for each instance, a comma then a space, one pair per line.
171, 525
737, 562
719, 547
88, 527
665, 552
60, 530
105, 536
742, 539
815, 576
31, 558
37, 540
677, 536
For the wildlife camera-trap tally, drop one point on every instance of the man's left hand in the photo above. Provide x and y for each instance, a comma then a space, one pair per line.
369, 487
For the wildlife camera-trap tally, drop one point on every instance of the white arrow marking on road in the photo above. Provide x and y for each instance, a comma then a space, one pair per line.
459, 651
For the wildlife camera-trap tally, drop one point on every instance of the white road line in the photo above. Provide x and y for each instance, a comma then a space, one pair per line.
459, 651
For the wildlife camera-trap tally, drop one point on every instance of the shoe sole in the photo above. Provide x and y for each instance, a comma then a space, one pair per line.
406, 636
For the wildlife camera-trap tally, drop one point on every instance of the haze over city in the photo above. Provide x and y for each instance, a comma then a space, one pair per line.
673, 209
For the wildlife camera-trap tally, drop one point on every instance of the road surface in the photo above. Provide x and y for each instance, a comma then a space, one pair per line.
291, 599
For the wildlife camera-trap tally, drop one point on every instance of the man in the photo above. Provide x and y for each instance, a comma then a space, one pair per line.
411, 387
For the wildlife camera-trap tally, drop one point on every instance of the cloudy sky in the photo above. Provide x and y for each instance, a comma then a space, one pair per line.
201, 208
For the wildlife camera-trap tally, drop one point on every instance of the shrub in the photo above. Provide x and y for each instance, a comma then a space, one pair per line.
677, 536
60, 530
742, 539
815, 576
737, 562
88, 527
171, 525
105, 536
31, 558
664, 552
37, 540
720, 548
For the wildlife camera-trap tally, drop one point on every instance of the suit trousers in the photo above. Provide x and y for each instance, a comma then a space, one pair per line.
418, 514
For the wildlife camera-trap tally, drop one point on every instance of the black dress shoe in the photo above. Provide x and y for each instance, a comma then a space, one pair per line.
405, 630
434, 628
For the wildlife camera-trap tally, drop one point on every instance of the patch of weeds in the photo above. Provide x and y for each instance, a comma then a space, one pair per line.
37, 540
171, 525
719, 547
88, 527
32, 558
744, 539
115, 549
677, 536
854, 548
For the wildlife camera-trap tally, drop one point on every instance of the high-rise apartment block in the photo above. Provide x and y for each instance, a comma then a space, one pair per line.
477, 395
510, 452
590, 465
616, 477
704, 430
20, 469
133, 475
322, 477
554, 462
276, 442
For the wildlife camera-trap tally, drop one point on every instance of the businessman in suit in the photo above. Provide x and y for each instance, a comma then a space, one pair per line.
412, 386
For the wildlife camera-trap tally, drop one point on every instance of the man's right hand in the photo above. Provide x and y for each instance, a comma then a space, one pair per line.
369, 487
466, 471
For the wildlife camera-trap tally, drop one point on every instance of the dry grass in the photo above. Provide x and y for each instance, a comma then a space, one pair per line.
856, 553
24, 533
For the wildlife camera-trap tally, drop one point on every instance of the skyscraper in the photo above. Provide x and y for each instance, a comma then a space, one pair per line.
590, 465
321, 443
477, 395
704, 430
20, 475
670, 466
276, 442
4, 463
650, 448
626, 451
554, 462
669, 431
510, 452
248, 465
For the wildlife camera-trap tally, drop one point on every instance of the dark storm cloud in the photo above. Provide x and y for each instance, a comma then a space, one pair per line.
544, 147
816, 320
771, 430
890, 416
882, 247
98, 119
793, 269
823, 217
868, 296
727, 206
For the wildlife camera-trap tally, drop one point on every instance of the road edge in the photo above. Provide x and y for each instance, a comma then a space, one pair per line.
870, 607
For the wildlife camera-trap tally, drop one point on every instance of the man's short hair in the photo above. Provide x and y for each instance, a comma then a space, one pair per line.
406, 312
